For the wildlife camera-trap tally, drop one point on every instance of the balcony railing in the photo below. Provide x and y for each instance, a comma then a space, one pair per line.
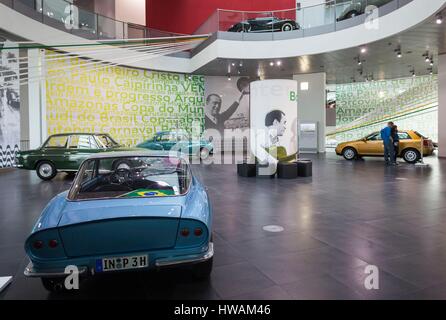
65, 16
326, 17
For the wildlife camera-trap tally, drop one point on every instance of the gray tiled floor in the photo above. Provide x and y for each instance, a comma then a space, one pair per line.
348, 215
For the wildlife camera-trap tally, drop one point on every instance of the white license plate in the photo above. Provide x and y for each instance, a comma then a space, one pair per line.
122, 263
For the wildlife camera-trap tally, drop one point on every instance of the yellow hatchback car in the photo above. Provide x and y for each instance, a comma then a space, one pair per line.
373, 146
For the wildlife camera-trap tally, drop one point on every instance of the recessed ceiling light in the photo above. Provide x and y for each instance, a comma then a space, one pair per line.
439, 20
271, 63
279, 63
233, 64
363, 50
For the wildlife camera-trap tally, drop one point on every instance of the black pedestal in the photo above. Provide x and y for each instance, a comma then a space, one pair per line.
304, 168
246, 170
287, 170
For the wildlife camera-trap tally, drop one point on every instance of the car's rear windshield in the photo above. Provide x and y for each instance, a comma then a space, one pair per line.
420, 135
107, 141
131, 177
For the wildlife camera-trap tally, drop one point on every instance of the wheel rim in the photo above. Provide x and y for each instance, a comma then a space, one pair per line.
411, 156
204, 153
349, 154
286, 27
45, 170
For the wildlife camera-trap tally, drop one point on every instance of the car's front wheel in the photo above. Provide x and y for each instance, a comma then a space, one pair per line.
411, 156
203, 270
287, 27
46, 170
204, 153
54, 284
349, 154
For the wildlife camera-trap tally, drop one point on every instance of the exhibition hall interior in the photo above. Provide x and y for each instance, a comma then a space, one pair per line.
222, 149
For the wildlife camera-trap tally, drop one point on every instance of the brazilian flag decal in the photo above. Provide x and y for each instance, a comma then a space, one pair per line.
149, 193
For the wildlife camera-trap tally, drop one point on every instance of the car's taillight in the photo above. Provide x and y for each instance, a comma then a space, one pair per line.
198, 232
185, 232
53, 243
38, 244
426, 143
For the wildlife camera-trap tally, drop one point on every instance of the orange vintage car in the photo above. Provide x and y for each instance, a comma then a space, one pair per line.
372, 146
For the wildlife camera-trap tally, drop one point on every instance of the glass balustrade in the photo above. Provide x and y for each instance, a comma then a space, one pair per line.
65, 16
321, 18
309, 20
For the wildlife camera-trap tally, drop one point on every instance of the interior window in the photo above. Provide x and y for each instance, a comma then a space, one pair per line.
167, 137
375, 137
183, 137
82, 142
57, 142
74, 140
107, 141
93, 143
404, 136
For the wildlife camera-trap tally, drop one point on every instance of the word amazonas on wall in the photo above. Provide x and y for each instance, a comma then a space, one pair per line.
130, 104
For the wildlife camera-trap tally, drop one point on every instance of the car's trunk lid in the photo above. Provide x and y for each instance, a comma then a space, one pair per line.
118, 228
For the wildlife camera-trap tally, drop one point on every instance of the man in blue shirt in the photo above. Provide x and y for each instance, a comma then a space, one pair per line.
389, 149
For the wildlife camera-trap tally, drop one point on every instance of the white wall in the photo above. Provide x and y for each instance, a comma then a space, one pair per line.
442, 105
133, 11
312, 102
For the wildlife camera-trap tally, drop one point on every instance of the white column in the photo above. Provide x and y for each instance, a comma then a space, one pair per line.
442, 105
312, 102
35, 100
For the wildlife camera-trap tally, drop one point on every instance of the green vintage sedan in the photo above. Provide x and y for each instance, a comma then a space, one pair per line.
65, 153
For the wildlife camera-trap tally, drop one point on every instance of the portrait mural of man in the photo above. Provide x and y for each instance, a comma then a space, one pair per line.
227, 103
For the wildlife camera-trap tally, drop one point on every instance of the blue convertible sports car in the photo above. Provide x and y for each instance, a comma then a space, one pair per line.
125, 211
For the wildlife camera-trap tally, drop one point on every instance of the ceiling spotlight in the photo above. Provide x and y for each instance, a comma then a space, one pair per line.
233, 64
271, 63
399, 54
428, 59
240, 64
229, 77
431, 71
279, 63
432, 62
439, 19
363, 50
413, 73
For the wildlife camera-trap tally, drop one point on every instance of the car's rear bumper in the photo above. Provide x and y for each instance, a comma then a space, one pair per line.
88, 268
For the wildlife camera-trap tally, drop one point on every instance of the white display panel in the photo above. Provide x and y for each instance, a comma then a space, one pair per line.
273, 118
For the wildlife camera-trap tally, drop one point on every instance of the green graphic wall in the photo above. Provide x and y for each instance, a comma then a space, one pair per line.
362, 108
130, 104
